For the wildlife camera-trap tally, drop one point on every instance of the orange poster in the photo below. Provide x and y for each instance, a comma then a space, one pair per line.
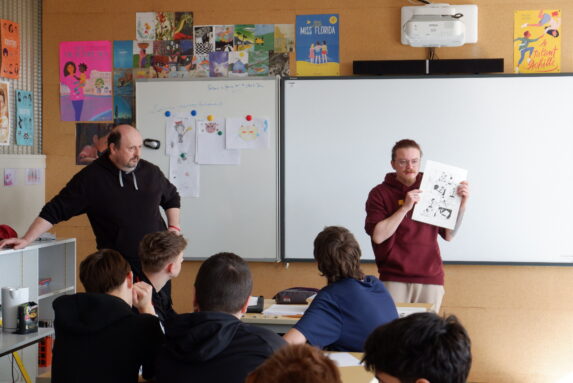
537, 41
10, 45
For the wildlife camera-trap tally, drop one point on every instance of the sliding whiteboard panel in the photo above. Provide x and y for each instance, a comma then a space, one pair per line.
512, 133
237, 209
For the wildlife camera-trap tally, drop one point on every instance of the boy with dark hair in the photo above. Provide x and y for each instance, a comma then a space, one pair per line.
420, 348
161, 255
212, 344
98, 337
350, 306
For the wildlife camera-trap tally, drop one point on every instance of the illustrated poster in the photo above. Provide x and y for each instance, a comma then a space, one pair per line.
317, 50
537, 41
183, 26
180, 138
284, 38
10, 46
86, 81
244, 134
24, 118
211, 144
440, 203
91, 141
4, 113
123, 54
145, 25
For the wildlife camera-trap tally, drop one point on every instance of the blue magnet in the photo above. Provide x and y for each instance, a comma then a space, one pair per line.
193, 112
167, 114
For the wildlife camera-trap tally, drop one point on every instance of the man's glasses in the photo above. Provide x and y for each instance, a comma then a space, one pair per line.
403, 163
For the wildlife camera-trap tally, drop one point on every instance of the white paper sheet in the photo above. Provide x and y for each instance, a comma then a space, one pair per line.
211, 144
285, 310
405, 311
180, 146
243, 134
343, 359
439, 204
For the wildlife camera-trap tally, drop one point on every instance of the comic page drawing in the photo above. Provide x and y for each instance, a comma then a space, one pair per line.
180, 138
211, 144
439, 204
243, 134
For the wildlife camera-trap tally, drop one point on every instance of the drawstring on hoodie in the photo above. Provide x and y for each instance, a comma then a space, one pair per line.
134, 180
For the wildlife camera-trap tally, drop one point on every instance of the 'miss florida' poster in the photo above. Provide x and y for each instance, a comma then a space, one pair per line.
317, 48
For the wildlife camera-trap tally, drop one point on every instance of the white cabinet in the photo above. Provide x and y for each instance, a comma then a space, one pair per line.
54, 260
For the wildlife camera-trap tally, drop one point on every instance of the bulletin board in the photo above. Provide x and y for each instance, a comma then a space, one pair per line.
237, 208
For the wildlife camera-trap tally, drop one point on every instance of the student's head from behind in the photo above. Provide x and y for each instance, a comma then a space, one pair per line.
419, 348
223, 284
104, 271
300, 363
162, 251
338, 254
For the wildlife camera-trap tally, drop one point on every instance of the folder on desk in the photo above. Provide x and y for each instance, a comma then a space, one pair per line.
256, 304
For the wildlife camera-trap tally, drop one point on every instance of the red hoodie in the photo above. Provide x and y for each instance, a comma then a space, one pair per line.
411, 254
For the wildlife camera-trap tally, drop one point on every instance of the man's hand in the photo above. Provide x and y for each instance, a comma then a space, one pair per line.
464, 192
412, 197
15, 243
142, 298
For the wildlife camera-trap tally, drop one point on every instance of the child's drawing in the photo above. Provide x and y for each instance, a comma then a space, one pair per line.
439, 203
244, 134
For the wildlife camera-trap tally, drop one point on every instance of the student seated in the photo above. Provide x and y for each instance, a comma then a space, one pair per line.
420, 348
212, 344
299, 363
350, 306
161, 255
98, 336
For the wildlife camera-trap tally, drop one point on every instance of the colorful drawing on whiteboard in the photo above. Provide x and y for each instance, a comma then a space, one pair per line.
537, 41
180, 138
247, 134
211, 149
439, 203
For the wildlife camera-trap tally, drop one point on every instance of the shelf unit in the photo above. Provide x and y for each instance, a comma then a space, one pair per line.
24, 268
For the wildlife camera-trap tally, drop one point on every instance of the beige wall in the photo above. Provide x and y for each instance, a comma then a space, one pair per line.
520, 318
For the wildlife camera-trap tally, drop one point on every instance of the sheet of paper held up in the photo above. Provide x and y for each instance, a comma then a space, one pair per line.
343, 359
439, 203
285, 310
405, 311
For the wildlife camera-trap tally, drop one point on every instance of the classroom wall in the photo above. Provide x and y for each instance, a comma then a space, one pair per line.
519, 317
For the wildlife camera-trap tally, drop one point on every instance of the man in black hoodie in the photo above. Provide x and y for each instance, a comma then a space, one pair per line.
120, 193
212, 344
98, 337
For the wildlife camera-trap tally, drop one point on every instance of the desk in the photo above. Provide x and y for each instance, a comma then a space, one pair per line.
13, 342
281, 324
355, 374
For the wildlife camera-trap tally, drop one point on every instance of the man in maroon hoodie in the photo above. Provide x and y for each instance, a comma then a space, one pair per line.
407, 251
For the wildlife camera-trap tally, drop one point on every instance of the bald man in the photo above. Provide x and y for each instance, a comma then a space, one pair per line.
120, 193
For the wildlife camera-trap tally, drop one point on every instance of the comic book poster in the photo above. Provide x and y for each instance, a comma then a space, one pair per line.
317, 49
24, 118
183, 26
284, 38
10, 45
4, 113
537, 41
86, 81
91, 141
123, 54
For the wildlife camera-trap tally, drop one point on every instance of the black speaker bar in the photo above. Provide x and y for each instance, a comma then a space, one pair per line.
402, 67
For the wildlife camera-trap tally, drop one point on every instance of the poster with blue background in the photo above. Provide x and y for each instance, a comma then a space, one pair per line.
317, 47
24, 118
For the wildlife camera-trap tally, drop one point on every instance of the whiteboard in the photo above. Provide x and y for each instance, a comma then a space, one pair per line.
512, 133
237, 209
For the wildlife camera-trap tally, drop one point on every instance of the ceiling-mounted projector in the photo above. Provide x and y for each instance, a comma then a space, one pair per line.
439, 25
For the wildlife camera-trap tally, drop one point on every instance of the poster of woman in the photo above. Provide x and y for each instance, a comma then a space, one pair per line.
4, 113
86, 81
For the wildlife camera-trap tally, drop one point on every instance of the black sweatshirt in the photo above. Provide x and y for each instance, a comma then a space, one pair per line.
122, 207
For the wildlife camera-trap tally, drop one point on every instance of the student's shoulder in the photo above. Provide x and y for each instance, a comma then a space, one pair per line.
264, 335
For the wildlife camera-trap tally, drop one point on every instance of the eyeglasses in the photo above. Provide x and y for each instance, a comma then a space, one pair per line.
403, 163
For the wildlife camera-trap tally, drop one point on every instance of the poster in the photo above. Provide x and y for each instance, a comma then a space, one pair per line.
224, 38
183, 26
211, 144
145, 26
440, 203
537, 41
4, 113
238, 64
33, 176
86, 81
284, 38
203, 40
317, 50
123, 54
242, 133
24, 118
264, 37
9, 177
10, 46
91, 141
142, 54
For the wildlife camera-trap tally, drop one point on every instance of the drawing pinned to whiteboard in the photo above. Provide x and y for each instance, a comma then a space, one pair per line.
184, 174
248, 134
211, 148
180, 139
440, 203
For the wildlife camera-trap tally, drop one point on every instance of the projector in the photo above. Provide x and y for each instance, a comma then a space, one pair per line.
439, 25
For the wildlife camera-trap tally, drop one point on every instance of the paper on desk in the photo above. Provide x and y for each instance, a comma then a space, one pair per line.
343, 359
253, 301
405, 311
285, 310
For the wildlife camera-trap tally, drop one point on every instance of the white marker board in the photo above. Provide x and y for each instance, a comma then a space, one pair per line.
237, 209
511, 132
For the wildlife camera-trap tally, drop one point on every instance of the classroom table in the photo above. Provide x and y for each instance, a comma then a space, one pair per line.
356, 374
281, 324
10, 342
